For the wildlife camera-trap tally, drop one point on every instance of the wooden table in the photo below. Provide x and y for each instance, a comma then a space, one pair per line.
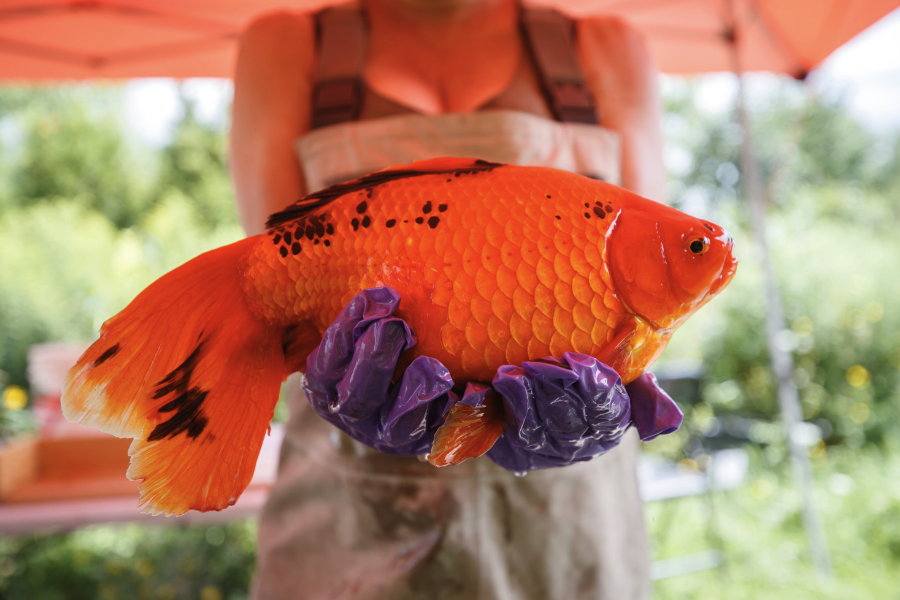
64, 483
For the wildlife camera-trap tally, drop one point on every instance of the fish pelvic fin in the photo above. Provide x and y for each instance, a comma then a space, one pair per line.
468, 431
193, 376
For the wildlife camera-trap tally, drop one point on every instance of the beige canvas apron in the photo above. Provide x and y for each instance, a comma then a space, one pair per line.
344, 522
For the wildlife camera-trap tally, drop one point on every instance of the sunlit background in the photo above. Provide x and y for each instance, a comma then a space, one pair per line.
105, 187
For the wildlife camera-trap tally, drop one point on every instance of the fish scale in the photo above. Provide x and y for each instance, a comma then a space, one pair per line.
511, 269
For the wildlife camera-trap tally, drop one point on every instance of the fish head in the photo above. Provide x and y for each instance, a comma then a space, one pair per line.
666, 264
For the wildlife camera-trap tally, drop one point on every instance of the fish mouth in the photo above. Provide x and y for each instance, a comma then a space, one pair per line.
729, 268
672, 322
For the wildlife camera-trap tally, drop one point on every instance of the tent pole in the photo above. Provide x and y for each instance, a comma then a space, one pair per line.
782, 361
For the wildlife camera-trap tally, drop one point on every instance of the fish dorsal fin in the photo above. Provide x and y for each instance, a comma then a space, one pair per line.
433, 166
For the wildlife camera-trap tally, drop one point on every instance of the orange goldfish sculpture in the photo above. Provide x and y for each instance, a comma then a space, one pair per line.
495, 265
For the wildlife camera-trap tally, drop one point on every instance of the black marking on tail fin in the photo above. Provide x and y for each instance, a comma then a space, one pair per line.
180, 377
188, 403
110, 352
310, 203
188, 416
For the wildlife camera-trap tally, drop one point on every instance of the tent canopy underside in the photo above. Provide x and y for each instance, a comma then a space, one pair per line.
53, 40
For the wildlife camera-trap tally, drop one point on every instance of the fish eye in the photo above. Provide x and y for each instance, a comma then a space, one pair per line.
699, 245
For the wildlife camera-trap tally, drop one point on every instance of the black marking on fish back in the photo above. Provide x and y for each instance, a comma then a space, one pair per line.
310, 203
187, 403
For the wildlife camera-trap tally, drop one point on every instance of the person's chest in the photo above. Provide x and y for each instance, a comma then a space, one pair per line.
481, 68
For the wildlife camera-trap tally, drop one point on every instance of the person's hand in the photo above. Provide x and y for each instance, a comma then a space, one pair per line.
561, 412
556, 412
348, 378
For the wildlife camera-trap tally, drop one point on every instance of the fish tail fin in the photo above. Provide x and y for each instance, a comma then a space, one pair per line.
191, 374
468, 431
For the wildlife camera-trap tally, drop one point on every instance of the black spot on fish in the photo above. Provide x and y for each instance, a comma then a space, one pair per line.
366, 221
597, 203
609, 209
327, 242
442, 207
186, 404
110, 352
179, 378
295, 248
558, 218
427, 208
287, 237
420, 220
587, 216
320, 230
298, 233
433, 221
548, 196
329, 229
311, 203
390, 223
276, 239
708, 226
187, 418
405, 221
355, 224
310, 232
449, 180
362, 206
586, 205
283, 251
600, 214
316, 242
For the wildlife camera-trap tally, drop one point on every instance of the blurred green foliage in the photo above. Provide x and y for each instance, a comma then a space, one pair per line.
759, 529
125, 562
88, 217
833, 190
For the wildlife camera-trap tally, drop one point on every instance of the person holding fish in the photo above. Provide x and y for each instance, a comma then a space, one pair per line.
492, 315
352, 91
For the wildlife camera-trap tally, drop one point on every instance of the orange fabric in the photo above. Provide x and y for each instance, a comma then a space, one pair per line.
47, 39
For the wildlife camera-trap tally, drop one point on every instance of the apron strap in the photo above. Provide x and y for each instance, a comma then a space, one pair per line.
550, 37
342, 38
341, 35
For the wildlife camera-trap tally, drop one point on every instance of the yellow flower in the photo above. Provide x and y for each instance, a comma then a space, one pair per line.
802, 326
858, 376
860, 412
210, 592
14, 398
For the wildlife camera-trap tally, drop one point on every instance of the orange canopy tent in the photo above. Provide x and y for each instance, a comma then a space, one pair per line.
85, 39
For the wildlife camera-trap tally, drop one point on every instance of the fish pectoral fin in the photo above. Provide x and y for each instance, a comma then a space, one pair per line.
297, 343
617, 354
468, 431
189, 373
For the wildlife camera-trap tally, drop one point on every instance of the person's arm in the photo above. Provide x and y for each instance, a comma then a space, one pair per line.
272, 86
624, 81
